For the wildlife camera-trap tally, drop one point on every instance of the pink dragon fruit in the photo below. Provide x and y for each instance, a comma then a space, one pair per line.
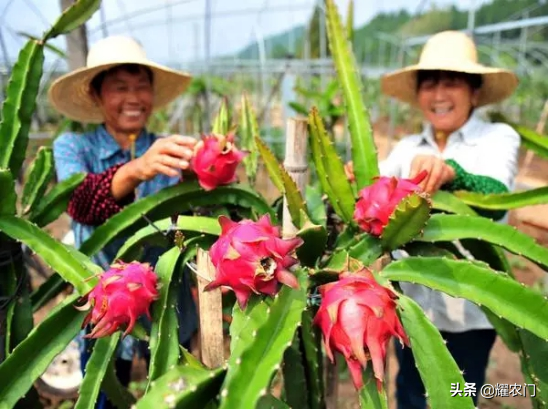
251, 257
123, 294
357, 317
379, 200
215, 160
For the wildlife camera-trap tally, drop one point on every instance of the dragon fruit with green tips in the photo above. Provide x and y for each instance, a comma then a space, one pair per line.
123, 294
378, 201
251, 258
357, 317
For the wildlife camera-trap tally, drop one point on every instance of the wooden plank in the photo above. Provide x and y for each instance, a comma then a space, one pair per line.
211, 314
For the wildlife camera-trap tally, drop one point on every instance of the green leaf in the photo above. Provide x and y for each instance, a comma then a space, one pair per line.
449, 203
47, 291
442, 227
312, 352
245, 382
406, 222
436, 366
295, 201
271, 163
366, 249
249, 132
55, 202
174, 199
73, 17
40, 174
314, 205
334, 169
31, 357
244, 324
185, 224
504, 296
533, 360
8, 197
96, 368
72, 268
296, 393
364, 151
270, 402
350, 22
221, 122
370, 396
52, 48
505, 201
115, 391
298, 108
329, 168
183, 387
19, 106
315, 239
164, 335
529, 138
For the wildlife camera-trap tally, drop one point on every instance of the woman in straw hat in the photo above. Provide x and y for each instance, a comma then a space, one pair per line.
460, 151
118, 90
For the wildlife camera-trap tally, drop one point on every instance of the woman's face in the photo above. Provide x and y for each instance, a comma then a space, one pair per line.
446, 101
126, 100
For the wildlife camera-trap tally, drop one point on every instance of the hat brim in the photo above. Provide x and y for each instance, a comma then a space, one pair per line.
497, 84
70, 94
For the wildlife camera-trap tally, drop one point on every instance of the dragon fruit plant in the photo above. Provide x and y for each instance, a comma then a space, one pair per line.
328, 292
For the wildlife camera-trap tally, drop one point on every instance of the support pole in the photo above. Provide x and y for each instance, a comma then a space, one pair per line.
211, 314
77, 42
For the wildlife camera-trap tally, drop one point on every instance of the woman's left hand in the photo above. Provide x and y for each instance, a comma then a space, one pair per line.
439, 172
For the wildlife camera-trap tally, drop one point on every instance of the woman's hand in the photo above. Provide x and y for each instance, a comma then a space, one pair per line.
167, 155
439, 172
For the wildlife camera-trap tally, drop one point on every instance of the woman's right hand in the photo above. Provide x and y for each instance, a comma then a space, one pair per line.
167, 156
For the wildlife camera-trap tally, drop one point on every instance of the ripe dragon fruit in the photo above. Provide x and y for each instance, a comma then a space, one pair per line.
357, 317
251, 257
123, 294
215, 160
379, 200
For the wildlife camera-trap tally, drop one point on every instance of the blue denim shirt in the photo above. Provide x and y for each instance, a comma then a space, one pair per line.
94, 152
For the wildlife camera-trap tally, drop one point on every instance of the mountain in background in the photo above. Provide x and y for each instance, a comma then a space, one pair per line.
402, 24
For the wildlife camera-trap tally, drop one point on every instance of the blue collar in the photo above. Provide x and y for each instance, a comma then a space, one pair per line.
108, 146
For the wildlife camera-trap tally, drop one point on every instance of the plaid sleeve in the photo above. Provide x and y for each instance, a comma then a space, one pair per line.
92, 202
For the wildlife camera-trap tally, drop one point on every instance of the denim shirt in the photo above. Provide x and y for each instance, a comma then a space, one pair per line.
94, 152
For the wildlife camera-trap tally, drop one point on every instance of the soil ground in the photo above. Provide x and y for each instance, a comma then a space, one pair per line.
504, 366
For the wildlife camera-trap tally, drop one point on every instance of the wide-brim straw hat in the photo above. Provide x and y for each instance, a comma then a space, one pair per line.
70, 94
450, 51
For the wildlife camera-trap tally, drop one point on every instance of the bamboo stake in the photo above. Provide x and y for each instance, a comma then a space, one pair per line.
211, 314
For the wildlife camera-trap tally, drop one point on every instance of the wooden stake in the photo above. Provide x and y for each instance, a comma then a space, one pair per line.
211, 314
295, 163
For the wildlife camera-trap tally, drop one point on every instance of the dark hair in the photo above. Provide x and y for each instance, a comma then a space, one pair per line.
134, 69
473, 80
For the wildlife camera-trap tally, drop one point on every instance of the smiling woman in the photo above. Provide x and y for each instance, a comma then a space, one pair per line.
118, 90
460, 151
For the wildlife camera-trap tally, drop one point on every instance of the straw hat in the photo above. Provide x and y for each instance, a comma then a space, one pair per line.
450, 51
70, 94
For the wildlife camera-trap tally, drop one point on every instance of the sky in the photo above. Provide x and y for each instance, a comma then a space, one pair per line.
175, 31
